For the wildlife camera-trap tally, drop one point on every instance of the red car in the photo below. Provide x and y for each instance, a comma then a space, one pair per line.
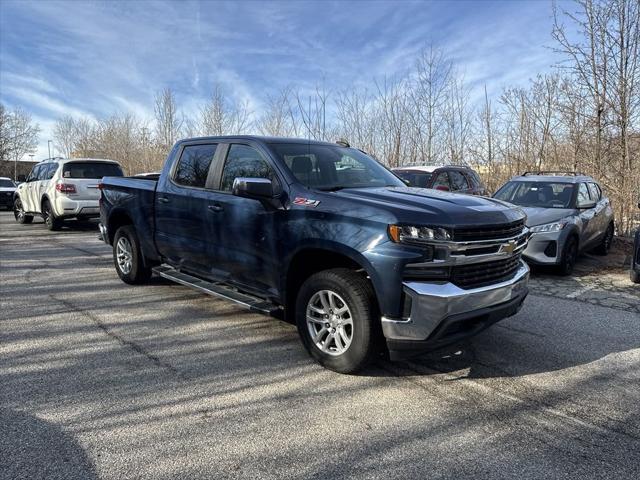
450, 178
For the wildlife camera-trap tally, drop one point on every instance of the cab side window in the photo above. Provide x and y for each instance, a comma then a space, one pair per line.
458, 182
442, 180
193, 167
583, 194
594, 189
244, 161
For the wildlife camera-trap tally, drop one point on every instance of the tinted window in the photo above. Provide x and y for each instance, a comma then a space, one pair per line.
442, 180
583, 194
6, 183
537, 194
50, 171
474, 179
415, 178
244, 161
93, 170
193, 166
595, 192
332, 167
458, 181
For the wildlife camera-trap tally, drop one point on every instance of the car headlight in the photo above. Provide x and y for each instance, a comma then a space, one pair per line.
419, 235
548, 227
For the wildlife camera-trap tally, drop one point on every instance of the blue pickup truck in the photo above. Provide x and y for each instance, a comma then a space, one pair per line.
327, 236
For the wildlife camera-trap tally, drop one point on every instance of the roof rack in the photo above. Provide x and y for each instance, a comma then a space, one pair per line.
554, 172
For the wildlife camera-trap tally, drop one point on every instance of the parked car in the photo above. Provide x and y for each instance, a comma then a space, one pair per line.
566, 214
450, 178
7, 190
326, 233
635, 261
60, 189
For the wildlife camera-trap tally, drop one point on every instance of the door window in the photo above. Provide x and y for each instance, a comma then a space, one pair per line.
50, 171
583, 194
193, 167
458, 181
33, 176
442, 180
244, 161
595, 191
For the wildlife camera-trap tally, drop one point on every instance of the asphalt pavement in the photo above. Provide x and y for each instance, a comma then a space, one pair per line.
99, 379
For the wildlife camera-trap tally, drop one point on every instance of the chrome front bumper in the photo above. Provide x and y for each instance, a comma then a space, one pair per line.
435, 306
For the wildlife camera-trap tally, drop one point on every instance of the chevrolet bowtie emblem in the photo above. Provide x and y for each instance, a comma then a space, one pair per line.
509, 247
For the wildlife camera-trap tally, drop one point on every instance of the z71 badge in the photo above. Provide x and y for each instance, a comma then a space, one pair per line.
307, 202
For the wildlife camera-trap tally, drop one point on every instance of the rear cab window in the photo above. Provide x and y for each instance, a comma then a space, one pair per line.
91, 170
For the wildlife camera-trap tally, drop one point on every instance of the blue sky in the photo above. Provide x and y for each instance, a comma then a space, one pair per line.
92, 58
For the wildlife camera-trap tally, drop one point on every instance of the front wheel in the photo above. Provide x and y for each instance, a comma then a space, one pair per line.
127, 256
335, 314
18, 212
569, 257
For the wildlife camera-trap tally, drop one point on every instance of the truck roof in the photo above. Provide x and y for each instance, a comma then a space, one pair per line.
553, 178
259, 138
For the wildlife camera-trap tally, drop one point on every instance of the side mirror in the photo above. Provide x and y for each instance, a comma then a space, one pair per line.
586, 204
22, 178
442, 188
257, 188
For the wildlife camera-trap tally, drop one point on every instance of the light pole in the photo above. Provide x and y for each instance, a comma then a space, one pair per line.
49, 142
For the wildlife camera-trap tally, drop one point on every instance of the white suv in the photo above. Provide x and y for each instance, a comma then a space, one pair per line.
58, 189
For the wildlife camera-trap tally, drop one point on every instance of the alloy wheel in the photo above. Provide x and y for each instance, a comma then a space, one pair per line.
18, 211
124, 255
329, 322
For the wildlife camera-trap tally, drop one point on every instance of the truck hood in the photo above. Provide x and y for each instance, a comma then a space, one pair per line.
541, 215
425, 206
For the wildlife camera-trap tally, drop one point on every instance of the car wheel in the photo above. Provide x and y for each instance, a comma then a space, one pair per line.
569, 256
336, 313
53, 223
634, 275
18, 212
127, 256
607, 240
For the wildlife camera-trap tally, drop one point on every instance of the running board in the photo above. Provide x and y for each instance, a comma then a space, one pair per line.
219, 290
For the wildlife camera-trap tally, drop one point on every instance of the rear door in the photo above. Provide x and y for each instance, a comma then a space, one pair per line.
45, 175
588, 216
86, 175
181, 208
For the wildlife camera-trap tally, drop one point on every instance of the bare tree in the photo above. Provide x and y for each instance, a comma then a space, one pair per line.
168, 121
18, 134
65, 135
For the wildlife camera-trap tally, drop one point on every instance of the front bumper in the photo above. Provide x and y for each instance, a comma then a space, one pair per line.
545, 248
6, 199
442, 313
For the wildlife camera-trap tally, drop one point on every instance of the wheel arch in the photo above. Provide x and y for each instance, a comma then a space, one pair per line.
116, 220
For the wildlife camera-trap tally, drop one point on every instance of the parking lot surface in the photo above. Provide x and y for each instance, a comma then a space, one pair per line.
99, 379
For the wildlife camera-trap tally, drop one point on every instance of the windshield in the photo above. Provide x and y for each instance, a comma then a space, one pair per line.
415, 178
328, 167
4, 183
537, 194
93, 170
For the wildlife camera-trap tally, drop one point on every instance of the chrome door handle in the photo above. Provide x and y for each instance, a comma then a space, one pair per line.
215, 208
163, 199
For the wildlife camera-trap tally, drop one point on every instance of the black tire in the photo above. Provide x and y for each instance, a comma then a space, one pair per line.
634, 276
52, 222
569, 256
18, 212
607, 240
354, 291
137, 272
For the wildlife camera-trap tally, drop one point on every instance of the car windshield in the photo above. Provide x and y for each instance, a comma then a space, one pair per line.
414, 177
537, 194
93, 170
6, 183
328, 167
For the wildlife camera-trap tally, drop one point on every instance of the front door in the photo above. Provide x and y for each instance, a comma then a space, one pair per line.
588, 217
181, 203
243, 234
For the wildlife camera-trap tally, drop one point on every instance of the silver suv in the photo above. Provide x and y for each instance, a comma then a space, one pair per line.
567, 213
60, 189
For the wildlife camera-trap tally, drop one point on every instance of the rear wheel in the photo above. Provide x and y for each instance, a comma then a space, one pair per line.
53, 223
127, 256
607, 240
335, 315
569, 257
18, 212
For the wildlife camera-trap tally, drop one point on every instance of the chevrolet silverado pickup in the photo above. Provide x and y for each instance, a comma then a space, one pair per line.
325, 235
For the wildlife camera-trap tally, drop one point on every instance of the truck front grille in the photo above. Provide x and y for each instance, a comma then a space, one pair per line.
488, 232
481, 274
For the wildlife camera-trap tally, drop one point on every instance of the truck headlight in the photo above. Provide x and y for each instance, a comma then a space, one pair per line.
417, 235
548, 227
